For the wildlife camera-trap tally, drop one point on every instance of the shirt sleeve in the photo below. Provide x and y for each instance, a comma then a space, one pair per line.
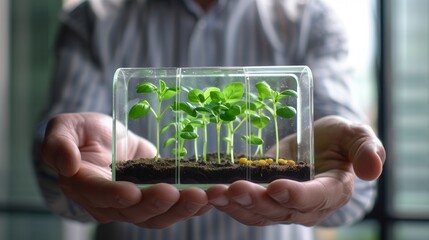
78, 85
326, 53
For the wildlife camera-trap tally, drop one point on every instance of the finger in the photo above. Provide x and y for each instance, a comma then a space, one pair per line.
204, 210
191, 201
330, 190
366, 152
60, 148
93, 187
155, 200
368, 160
247, 202
253, 198
217, 195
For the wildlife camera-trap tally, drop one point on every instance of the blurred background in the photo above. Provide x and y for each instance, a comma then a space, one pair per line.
390, 50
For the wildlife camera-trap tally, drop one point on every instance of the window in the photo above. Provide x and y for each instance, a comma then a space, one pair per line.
405, 98
402, 209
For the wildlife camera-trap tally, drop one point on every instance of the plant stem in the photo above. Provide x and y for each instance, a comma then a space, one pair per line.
196, 149
239, 125
231, 143
276, 129
260, 147
277, 139
158, 120
218, 126
205, 143
228, 136
157, 138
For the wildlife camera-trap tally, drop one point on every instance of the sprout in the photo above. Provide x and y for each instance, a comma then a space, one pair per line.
141, 108
270, 99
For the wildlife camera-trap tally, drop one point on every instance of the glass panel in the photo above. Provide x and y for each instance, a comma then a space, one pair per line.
410, 107
214, 125
411, 230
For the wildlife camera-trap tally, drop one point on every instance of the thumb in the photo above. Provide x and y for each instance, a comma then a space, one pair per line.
60, 146
368, 160
366, 152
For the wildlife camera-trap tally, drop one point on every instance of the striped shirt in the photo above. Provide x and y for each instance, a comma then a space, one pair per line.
97, 37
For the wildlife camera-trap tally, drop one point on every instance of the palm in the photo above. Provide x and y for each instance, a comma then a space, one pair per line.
78, 146
342, 149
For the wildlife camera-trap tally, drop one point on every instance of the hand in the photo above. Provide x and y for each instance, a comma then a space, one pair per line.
78, 147
342, 151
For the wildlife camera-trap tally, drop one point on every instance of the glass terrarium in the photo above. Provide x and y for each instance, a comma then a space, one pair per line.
214, 125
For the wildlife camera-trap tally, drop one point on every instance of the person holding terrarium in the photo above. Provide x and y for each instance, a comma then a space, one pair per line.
73, 143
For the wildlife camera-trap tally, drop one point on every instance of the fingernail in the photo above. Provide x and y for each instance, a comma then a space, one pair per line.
281, 197
220, 201
244, 200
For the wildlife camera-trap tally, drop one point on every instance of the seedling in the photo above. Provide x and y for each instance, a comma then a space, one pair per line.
187, 126
270, 100
220, 107
141, 108
258, 120
223, 108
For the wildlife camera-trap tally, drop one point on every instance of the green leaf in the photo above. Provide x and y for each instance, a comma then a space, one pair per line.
168, 93
203, 109
182, 152
259, 121
286, 112
242, 104
202, 98
197, 123
289, 92
217, 97
188, 108
169, 141
210, 90
162, 86
253, 139
227, 117
264, 90
234, 110
218, 107
233, 91
195, 96
167, 126
257, 105
188, 128
146, 87
139, 110
188, 135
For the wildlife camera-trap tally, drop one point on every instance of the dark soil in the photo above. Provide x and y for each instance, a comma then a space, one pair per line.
148, 171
